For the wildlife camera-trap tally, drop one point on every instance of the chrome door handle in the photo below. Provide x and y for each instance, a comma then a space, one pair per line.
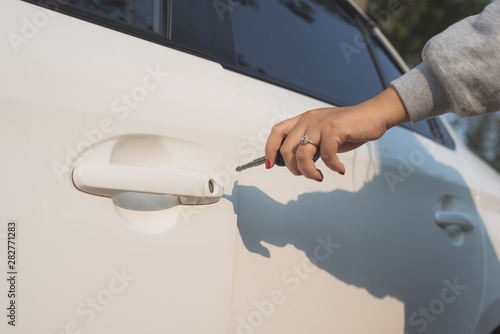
110, 180
446, 218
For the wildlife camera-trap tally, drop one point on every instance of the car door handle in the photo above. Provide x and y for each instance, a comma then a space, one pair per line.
110, 180
446, 218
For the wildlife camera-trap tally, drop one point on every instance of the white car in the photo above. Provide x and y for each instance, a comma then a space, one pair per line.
121, 211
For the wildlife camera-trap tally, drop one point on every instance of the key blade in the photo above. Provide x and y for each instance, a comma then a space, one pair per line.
253, 163
279, 160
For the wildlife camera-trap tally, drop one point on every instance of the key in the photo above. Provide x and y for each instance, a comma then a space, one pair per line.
253, 163
279, 160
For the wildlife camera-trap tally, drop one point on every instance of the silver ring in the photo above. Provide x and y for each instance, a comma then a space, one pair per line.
304, 140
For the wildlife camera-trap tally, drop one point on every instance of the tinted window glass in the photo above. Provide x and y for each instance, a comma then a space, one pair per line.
314, 45
421, 127
389, 69
185, 23
144, 14
433, 129
190, 24
440, 132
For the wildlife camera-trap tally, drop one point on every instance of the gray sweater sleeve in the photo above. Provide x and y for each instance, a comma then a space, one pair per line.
460, 71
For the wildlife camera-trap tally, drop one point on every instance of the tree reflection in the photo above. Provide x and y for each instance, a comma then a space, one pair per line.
138, 13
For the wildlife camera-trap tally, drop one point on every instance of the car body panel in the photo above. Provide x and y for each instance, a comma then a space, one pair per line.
283, 220
78, 93
360, 253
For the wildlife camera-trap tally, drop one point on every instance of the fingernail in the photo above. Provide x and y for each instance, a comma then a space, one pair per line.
322, 177
268, 164
342, 173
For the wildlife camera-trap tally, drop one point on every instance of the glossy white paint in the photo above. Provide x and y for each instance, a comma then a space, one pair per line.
404, 242
135, 263
112, 180
361, 246
488, 205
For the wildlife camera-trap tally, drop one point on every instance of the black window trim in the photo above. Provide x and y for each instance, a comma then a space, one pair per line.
366, 32
441, 133
167, 23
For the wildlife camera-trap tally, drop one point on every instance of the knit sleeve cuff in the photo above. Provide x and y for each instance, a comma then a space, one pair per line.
421, 93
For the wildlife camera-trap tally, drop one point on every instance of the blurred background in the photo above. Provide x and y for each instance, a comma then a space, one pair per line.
409, 24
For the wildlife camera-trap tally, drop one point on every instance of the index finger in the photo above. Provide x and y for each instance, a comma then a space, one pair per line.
278, 132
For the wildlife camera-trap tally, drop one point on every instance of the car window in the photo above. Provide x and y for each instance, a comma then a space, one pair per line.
148, 19
311, 45
440, 133
433, 129
190, 24
389, 69
421, 127
143, 14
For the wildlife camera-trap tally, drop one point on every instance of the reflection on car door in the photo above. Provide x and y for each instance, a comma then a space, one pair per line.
393, 246
365, 245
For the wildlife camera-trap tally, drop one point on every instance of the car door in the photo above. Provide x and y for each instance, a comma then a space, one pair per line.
382, 249
488, 181
97, 127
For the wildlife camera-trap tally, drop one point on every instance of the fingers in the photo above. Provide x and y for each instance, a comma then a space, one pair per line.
305, 164
329, 150
299, 158
289, 149
278, 132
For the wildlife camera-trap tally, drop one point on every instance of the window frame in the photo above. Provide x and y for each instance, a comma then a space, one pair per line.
222, 50
110, 23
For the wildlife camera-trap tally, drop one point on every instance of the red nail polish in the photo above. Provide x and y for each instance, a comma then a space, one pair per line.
322, 177
342, 173
268, 164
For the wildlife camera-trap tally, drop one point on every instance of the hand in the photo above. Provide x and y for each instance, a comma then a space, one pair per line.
335, 130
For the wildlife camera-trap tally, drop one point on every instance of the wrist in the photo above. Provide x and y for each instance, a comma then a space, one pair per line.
394, 108
390, 107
